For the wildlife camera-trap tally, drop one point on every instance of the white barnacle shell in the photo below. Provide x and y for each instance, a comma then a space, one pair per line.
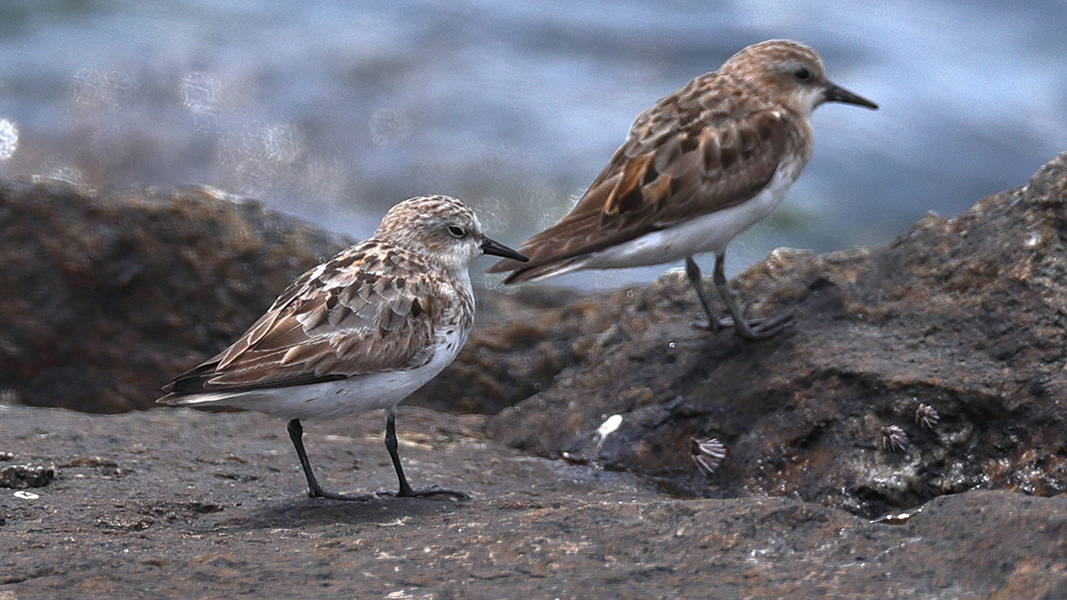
894, 439
926, 417
707, 454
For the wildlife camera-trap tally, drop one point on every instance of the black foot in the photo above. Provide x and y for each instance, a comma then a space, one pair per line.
758, 329
753, 329
423, 492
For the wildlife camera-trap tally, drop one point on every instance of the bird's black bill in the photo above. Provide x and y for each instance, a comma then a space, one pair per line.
839, 94
497, 249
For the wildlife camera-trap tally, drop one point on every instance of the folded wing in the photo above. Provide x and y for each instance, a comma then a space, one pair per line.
360, 313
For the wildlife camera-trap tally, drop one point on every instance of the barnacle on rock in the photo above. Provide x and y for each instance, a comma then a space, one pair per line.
894, 439
707, 453
926, 417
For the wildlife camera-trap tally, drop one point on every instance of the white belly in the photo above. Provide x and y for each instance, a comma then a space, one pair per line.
344, 397
705, 233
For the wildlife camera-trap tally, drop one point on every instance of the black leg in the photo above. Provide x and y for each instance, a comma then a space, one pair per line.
749, 330
296, 433
404, 490
692, 271
391, 445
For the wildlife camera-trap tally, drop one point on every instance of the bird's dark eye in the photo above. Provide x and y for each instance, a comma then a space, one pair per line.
457, 231
803, 74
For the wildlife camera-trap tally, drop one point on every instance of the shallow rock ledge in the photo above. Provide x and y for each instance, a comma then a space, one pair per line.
179, 504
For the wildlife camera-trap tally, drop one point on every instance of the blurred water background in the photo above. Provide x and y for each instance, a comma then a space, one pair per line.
334, 110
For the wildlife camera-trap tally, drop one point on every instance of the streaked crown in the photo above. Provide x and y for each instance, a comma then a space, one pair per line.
439, 227
789, 72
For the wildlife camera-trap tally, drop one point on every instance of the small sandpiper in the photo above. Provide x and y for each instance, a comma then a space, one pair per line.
704, 164
359, 332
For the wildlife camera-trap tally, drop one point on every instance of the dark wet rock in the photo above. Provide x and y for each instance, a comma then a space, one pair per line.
27, 476
966, 316
108, 294
212, 505
520, 342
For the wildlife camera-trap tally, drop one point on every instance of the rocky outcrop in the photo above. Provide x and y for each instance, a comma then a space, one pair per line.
109, 294
962, 318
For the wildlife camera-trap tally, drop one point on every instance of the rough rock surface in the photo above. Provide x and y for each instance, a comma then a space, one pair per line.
967, 316
109, 294
179, 504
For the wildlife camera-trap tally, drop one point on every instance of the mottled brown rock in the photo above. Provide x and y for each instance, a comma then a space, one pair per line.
108, 294
179, 504
520, 341
967, 316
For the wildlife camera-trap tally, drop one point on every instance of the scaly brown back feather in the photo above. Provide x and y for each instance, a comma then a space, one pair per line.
708, 146
367, 310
